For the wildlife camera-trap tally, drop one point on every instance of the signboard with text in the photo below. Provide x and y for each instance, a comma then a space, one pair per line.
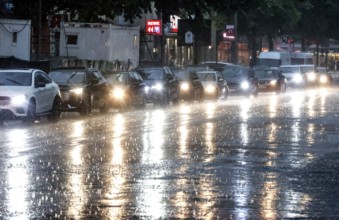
153, 27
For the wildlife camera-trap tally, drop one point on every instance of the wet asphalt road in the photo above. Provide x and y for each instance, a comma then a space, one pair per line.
271, 157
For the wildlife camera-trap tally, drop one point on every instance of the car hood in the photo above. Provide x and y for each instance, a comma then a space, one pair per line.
14, 90
266, 79
235, 80
66, 87
208, 83
153, 82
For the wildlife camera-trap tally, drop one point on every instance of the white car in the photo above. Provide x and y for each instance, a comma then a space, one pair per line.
28, 94
214, 85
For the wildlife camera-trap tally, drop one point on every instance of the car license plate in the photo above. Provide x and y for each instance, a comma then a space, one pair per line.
262, 86
4, 102
65, 95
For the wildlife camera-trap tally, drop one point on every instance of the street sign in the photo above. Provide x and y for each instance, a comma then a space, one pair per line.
153, 27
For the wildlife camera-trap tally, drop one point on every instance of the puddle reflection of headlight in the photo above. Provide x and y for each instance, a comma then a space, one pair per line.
210, 89
184, 86
77, 91
297, 79
245, 85
19, 100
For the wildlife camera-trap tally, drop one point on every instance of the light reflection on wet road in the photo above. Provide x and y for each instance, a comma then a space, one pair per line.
274, 156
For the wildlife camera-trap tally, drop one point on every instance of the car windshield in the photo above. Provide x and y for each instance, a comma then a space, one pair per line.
270, 62
118, 78
290, 69
234, 72
68, 77
260, 74
152, 74
206, 76
307, 69
183, 75
15, 79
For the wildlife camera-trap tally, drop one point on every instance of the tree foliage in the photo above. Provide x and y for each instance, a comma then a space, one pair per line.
315, 19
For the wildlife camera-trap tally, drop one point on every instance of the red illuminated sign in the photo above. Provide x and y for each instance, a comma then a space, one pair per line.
153, 27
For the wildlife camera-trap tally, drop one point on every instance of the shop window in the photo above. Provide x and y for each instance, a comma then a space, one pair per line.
72, 39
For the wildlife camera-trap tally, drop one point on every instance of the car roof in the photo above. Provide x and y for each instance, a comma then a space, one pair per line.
207, 71
73, 68
28, 70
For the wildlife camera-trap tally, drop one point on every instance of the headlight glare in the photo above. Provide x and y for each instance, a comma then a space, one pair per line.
273, 82
311, 76
297, 78
245, 85
77, 91
19, 100
323, 79
118, 93
157, 86
184, 86
210, 89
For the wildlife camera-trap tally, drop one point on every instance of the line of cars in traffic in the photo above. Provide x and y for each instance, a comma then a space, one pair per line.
29, 94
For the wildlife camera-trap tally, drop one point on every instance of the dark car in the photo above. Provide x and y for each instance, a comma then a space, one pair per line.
191, 87
325, 77
214, 85
216, 65
82, 89
162, 84
127, 90
270, 80
240, 80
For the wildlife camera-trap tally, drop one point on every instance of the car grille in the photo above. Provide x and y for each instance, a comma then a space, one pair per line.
65, 95
233, 85
4, 100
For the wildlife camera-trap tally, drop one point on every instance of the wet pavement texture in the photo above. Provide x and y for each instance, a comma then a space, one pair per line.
270, 157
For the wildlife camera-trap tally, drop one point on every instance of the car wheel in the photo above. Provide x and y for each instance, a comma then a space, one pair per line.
31, 113
86, 107
55, 111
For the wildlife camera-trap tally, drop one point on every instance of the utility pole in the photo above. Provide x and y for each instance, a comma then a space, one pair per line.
39, 31
235, 42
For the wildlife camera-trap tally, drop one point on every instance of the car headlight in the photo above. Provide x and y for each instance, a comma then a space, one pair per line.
273, 82
245, 85
147, 88
311, 76
297, 79
323, 79
77, 91
118, 93
210, 89
184, 86
157, 86
19, 100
